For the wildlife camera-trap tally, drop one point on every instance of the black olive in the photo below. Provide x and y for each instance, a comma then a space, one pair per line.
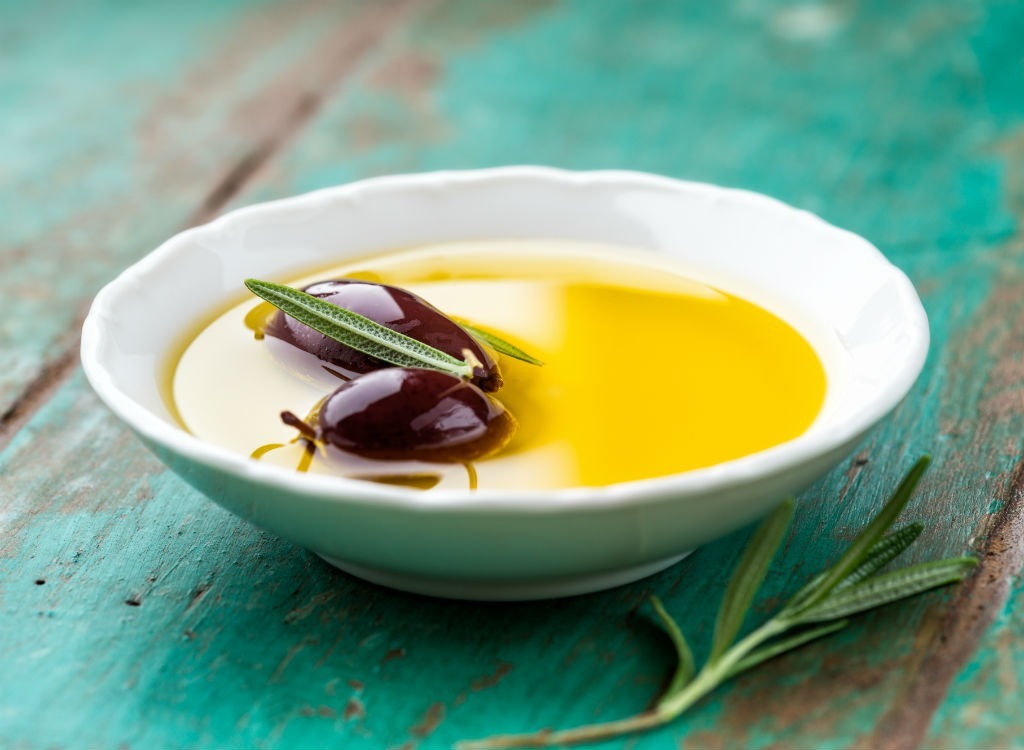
414, 414
390, 306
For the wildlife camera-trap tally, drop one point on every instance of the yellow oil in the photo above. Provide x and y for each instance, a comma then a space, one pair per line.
646, 373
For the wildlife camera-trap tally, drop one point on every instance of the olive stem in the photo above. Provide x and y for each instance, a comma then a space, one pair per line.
292, 420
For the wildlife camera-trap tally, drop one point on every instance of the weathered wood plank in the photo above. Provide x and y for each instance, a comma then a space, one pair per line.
983, 706
211, 633
878, 120
132, 122
898, 122
902, 123
239, 637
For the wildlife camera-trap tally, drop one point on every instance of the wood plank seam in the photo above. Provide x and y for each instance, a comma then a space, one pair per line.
243, 170
39, 390
336, 73
331, 80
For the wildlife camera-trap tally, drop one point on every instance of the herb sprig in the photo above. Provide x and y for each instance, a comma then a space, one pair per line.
357, 331
499, 344
852, 584
370, 337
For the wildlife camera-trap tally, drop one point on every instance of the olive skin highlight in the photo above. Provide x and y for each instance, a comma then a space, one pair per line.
415, 414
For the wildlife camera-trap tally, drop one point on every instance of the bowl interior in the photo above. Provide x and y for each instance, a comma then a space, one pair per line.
858, 311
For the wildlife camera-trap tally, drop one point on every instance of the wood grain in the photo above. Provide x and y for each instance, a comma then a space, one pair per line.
136, 613
152, 146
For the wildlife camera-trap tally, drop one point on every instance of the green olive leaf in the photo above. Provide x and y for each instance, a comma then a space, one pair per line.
889, 587
499, 344
748, 577
685, 667
860, 550
357, 331
850, 586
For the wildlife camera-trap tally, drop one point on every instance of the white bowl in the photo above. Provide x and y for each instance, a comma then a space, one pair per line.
859, 312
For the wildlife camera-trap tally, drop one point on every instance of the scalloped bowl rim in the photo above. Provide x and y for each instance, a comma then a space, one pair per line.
677, 487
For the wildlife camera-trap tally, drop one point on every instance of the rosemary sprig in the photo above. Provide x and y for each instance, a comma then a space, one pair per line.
357, 331
851, 585
498, 344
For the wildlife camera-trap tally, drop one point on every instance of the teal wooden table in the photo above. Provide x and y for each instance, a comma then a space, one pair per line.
136, 614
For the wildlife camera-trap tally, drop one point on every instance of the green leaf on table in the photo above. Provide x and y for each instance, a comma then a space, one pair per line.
886, 549
781, 646
850, 586
686, 668
748, 577
859, 551
889, 587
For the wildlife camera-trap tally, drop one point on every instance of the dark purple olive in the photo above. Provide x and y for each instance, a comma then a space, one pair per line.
390, 306
414, 414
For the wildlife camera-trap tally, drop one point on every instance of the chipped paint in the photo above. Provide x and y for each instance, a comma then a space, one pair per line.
241, 102
429, 722
492, 679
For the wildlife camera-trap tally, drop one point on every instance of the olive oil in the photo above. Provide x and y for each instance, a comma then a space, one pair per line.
647, 372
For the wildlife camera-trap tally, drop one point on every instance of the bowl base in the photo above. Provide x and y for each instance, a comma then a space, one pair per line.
504, 591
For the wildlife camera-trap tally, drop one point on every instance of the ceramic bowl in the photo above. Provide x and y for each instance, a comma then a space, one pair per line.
858, 311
